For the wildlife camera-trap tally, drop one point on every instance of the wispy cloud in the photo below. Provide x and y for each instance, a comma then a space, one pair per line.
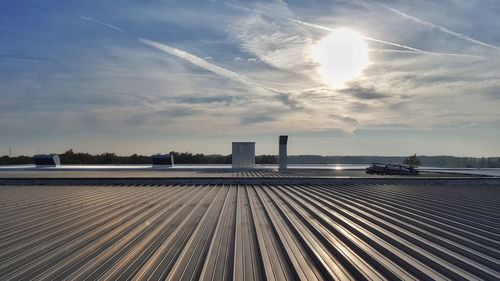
102, 23
363, 93
274, 42
436, 26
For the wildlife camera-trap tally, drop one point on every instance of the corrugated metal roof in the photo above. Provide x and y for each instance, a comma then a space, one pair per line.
250, 232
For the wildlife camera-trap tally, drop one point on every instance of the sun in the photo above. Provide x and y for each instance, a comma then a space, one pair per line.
342, 55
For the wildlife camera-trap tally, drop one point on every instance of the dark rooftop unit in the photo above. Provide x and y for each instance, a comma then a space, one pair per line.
43, 160
163, 160
391, 169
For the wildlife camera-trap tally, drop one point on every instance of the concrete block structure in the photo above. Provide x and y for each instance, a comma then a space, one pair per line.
243, 156
283, 157
46, 160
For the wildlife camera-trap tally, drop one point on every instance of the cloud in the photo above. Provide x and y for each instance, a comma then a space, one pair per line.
289, 100
253, 119
470, 125
272, 41
198, 99
437, 27
349, 121
363, 93
27, 58
102, 23
175, 112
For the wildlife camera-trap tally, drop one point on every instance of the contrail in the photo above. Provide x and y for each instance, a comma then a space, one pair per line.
317, 26
387, 42
426, 53
103, 23
437, 27
200, 62
197, 61
321, 27
190, 58
205, 64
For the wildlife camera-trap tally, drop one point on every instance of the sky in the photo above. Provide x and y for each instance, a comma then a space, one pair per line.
155, 76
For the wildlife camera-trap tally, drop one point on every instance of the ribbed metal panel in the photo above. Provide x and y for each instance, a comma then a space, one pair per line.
253, 232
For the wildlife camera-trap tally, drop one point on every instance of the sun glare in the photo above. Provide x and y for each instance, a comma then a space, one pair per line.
342, 55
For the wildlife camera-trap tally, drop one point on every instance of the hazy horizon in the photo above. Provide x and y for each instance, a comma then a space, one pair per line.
368, 77
266, 147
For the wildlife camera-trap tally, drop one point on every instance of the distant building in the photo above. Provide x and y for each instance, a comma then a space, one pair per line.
163, 160
46, 160
243, 156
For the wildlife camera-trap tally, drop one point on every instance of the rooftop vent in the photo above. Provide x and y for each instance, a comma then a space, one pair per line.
163, 160
49, 160
243, 156
283, 158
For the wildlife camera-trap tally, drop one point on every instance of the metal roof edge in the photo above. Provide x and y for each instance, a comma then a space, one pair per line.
255, 180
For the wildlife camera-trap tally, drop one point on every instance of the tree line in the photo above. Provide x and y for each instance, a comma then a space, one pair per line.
428, 161
71, 157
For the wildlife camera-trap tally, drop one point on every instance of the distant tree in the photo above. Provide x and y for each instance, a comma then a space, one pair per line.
19, 160
412, 161
266, 159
